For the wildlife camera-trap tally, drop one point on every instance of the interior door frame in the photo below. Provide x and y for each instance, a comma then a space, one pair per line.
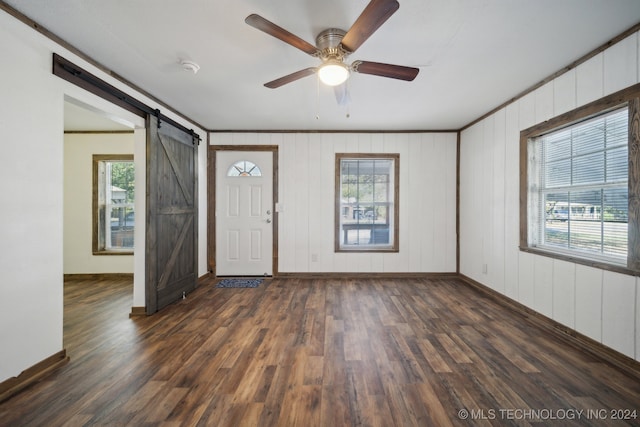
80, 77
211, 201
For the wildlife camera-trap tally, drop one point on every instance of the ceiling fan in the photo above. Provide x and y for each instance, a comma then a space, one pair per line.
333, 46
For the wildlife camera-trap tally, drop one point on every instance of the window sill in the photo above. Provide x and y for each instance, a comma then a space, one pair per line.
367, 249
583, 261
113, 253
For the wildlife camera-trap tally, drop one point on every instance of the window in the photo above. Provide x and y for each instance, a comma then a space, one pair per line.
244, 168
113, 211
367, 202
580, 175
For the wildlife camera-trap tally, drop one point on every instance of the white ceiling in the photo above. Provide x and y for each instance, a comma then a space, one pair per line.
81, 117
473, 55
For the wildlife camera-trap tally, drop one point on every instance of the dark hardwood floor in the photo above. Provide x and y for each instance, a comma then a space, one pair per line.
294, 352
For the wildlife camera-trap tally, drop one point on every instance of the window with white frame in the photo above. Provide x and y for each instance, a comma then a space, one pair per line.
579, 181
367, 202
113, 204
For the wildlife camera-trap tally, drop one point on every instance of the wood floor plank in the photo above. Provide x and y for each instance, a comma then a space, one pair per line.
314, 366
264, 384
335, 407
273, 402
432, 356
314, 352
460, 355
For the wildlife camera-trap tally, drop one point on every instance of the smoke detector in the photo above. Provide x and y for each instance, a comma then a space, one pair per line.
189, 66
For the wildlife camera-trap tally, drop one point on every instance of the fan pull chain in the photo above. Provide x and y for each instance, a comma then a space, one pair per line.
348, 106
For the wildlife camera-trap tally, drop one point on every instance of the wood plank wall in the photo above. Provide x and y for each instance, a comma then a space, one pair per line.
306, 171
603, 305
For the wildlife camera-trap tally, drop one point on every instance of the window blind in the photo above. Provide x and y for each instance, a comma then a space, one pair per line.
582, 198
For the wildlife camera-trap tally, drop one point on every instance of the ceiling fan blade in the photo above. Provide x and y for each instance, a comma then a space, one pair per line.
257, 21
291, 77
385, 70
371, 18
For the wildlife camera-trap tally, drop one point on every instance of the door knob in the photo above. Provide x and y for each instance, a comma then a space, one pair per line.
268, 212
268, 220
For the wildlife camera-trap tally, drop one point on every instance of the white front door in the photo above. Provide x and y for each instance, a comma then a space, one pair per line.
244, 213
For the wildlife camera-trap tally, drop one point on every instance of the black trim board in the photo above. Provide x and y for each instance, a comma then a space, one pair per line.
72, 73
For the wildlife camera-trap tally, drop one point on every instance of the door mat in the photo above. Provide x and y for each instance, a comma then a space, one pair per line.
239, 283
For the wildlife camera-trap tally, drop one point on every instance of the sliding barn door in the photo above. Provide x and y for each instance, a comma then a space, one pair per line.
172, 214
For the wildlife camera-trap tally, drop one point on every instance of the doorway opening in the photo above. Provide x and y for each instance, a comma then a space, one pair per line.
94, 127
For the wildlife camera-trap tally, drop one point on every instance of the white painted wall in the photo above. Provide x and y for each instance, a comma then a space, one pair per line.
306, 197
31, 181
602, 305
78, 199
31, 215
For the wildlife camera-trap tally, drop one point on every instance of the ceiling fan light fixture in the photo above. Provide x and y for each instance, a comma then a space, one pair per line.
333, 73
